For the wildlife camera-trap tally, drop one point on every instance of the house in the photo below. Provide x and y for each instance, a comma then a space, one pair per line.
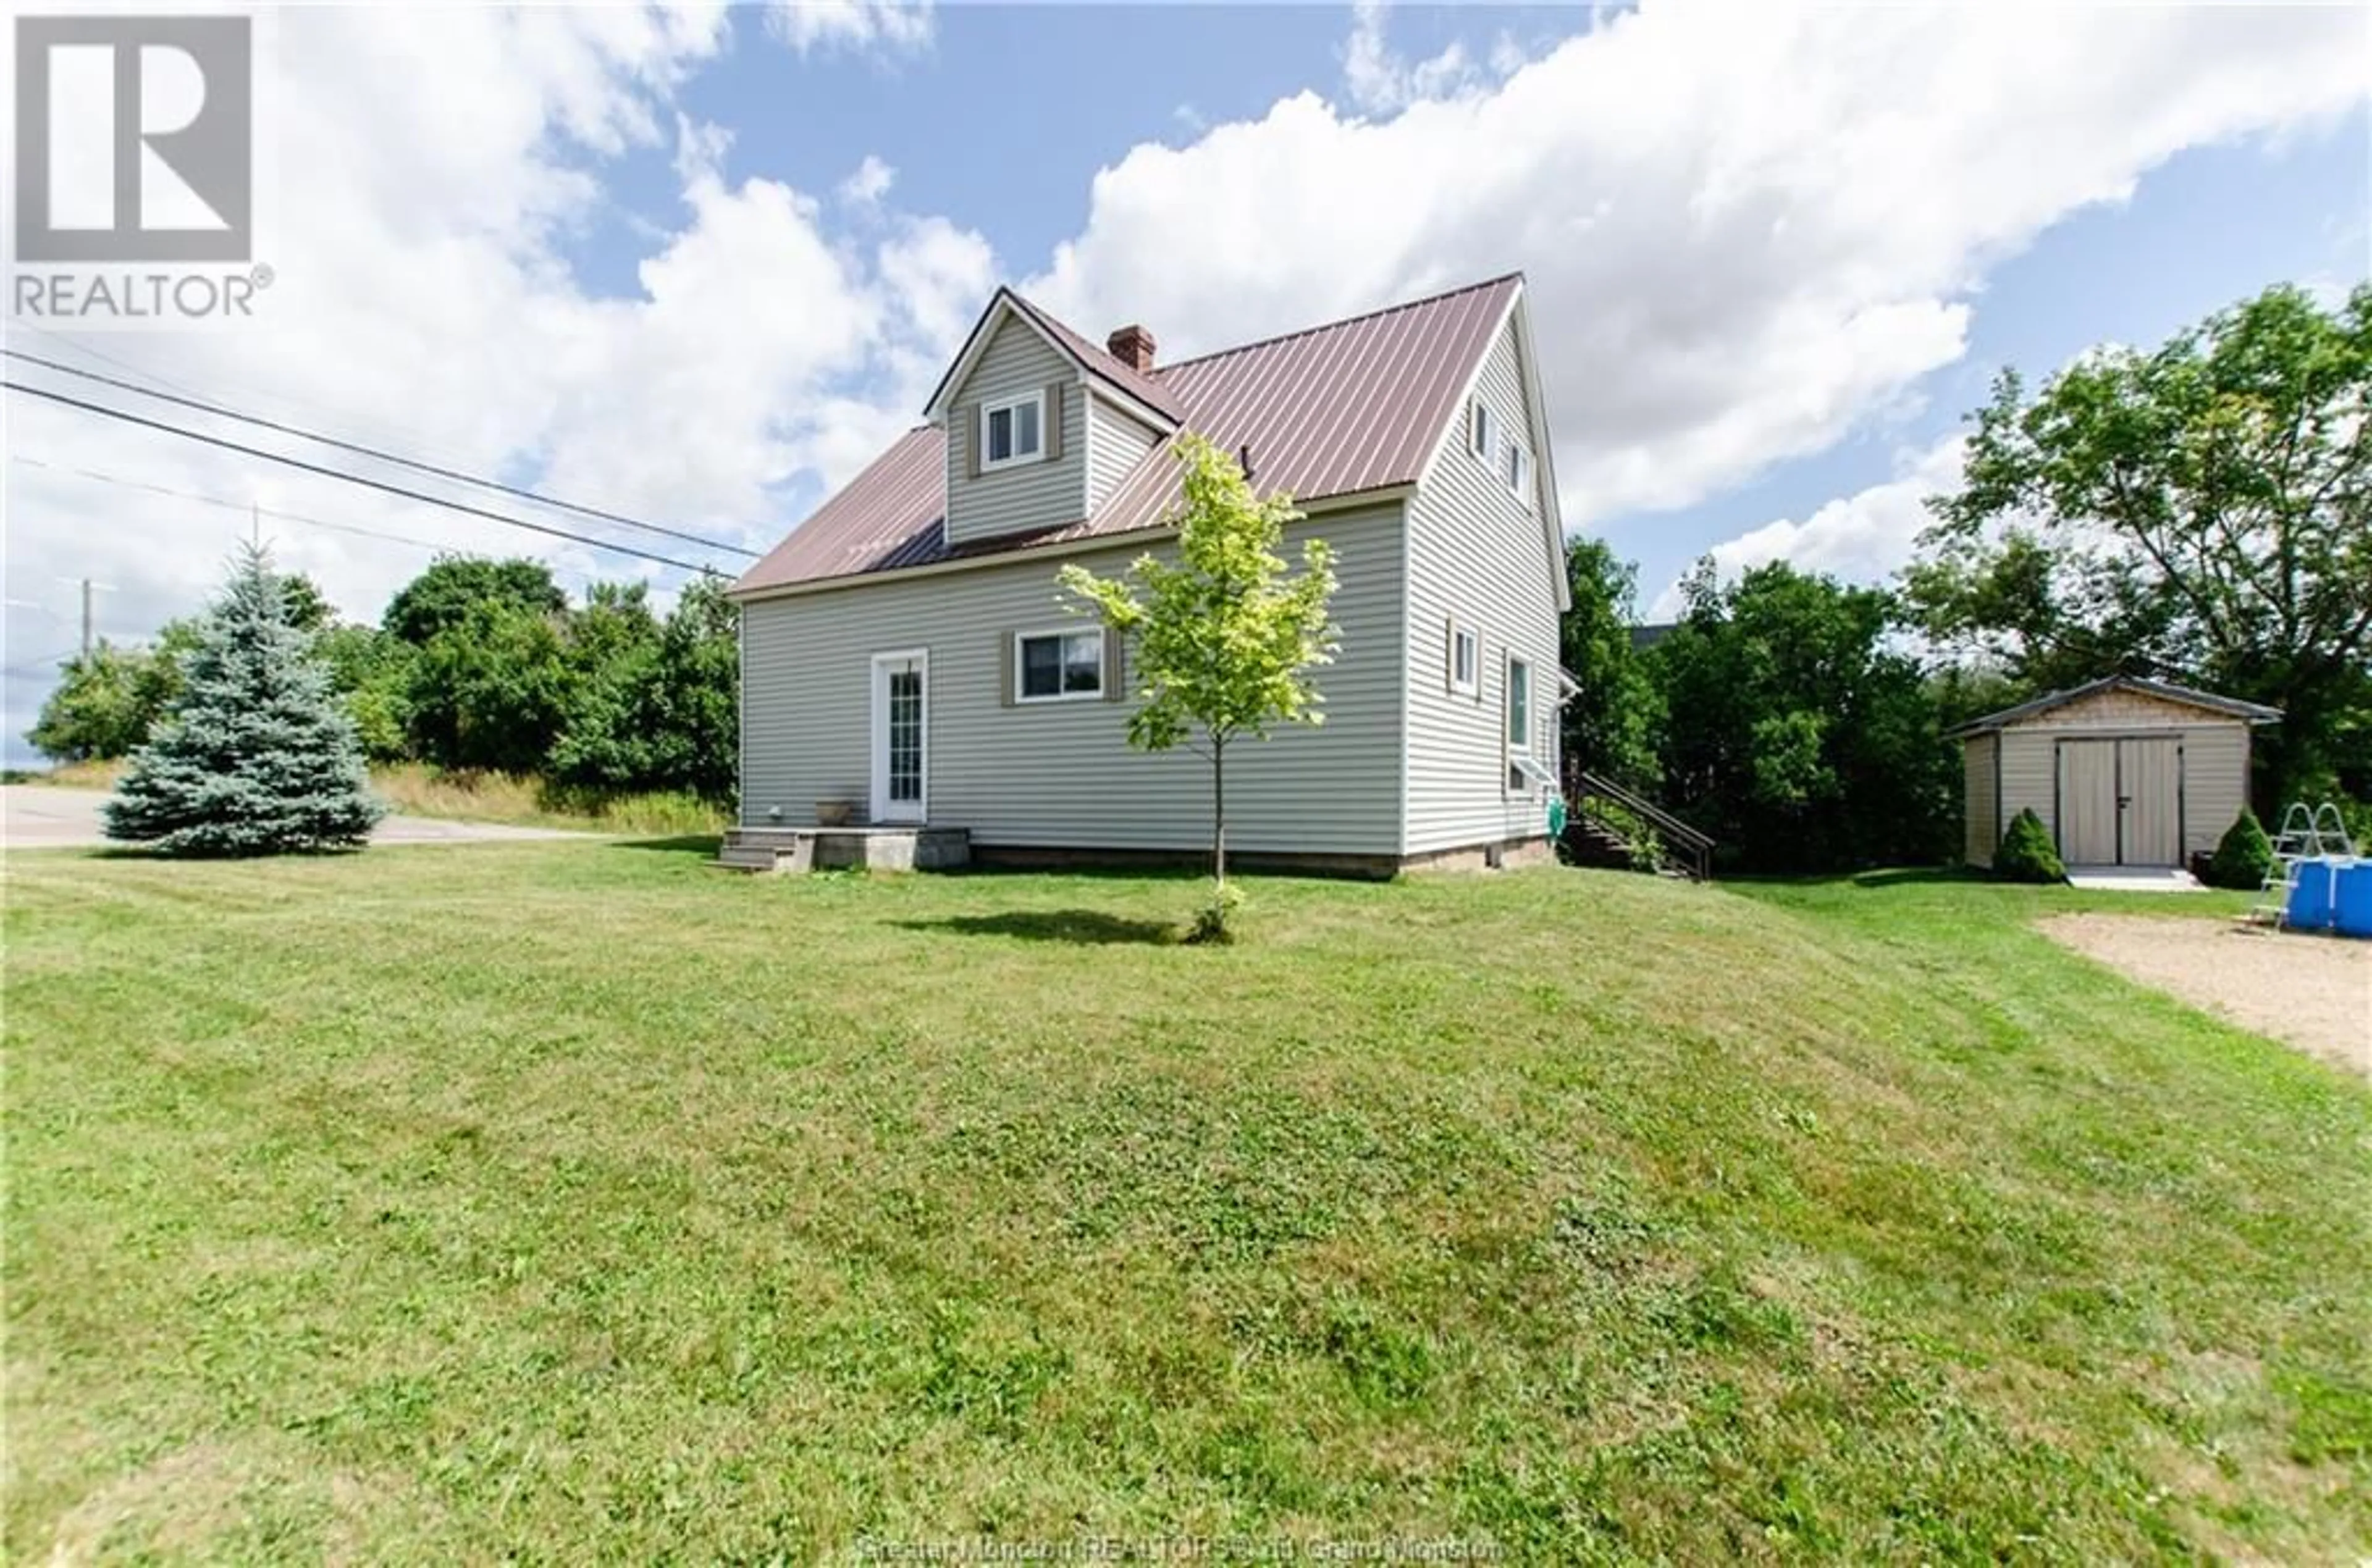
2122, 770
906, 655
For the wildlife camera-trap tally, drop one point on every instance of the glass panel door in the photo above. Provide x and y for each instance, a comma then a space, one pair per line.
901, 737
906, 735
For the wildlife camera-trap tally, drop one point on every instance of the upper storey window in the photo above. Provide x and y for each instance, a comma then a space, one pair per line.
1013, 432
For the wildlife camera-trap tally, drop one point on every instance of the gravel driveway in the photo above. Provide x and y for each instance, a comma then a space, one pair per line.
40, 817
2313, 992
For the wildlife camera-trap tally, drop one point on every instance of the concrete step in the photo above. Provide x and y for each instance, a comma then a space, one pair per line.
797, 850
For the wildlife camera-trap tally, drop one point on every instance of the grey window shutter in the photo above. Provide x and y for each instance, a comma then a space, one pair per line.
968, 417
1054, 422
1004, 669
1115, 665
1449, 654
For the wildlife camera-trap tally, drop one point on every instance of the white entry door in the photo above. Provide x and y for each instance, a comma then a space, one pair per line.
901, 735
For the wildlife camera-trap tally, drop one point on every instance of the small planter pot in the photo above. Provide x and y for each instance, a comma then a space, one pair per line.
834, 813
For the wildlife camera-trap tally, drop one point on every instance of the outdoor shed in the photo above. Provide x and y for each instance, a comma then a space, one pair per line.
2123, 772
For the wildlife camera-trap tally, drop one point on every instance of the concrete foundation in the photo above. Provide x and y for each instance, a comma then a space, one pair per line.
795, 850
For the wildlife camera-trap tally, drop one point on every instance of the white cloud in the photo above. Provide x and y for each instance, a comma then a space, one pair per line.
1381, 81
879, 27
1863, 537
869, 183
1748, 230
425, 303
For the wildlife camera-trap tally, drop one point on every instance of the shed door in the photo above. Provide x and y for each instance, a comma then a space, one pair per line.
2087, 801
2150, 779
2120, 802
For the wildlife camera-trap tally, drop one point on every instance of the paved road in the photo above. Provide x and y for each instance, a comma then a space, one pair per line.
40, 816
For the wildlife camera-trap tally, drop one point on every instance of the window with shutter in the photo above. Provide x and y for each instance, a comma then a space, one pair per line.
1013, 432
1057, 666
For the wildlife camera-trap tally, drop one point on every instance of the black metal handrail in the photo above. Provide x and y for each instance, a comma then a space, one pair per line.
1694, 846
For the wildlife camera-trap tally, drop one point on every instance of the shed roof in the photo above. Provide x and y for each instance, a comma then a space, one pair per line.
2225, 707
1336, 410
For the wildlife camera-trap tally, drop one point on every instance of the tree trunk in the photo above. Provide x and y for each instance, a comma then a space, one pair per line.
1219, 811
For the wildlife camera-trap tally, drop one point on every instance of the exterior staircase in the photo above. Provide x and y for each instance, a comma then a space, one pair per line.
1590, 842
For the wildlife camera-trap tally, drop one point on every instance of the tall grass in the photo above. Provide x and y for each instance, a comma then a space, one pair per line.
418, 790
98, 775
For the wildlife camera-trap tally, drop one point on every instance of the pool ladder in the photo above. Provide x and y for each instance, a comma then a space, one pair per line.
2307, 833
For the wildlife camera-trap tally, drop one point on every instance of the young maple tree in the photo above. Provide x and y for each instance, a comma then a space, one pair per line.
1222, 642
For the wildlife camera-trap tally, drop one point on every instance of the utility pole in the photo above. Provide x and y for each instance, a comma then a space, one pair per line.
89, 624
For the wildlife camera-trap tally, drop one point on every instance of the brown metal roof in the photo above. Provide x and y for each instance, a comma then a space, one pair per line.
1103, 364
1340, 410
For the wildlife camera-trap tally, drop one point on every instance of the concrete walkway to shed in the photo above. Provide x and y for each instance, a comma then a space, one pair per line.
2133, 880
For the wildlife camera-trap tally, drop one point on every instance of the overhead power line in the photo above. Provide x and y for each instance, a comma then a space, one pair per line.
377, 426
227, 506
200, 406
117, 360
128, 417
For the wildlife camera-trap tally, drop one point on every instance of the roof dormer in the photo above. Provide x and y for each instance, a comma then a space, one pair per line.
1015, 408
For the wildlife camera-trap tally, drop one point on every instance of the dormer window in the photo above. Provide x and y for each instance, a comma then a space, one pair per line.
1013, 432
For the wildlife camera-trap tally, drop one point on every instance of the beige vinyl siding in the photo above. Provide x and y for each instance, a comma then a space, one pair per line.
1116, 443
2214, 768
1062, 774
2215, 782
1016, 363
2030, 776
1477, 554
1985, 827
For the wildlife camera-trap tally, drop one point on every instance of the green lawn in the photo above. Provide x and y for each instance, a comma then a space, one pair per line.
575, 1201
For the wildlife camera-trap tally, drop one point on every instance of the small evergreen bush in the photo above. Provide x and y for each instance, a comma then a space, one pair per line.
2244, 857
2026, 853
256, 756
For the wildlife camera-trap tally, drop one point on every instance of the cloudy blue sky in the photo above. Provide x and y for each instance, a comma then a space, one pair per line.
698, 266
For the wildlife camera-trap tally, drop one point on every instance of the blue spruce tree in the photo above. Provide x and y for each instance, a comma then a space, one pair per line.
257, 757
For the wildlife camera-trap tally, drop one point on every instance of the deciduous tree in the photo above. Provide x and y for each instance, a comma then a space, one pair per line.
1612, 721
490, 689
1794, 732
1222, 643
443, 596
2201, 511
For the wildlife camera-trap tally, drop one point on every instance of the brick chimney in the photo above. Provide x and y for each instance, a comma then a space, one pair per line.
1133, 346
